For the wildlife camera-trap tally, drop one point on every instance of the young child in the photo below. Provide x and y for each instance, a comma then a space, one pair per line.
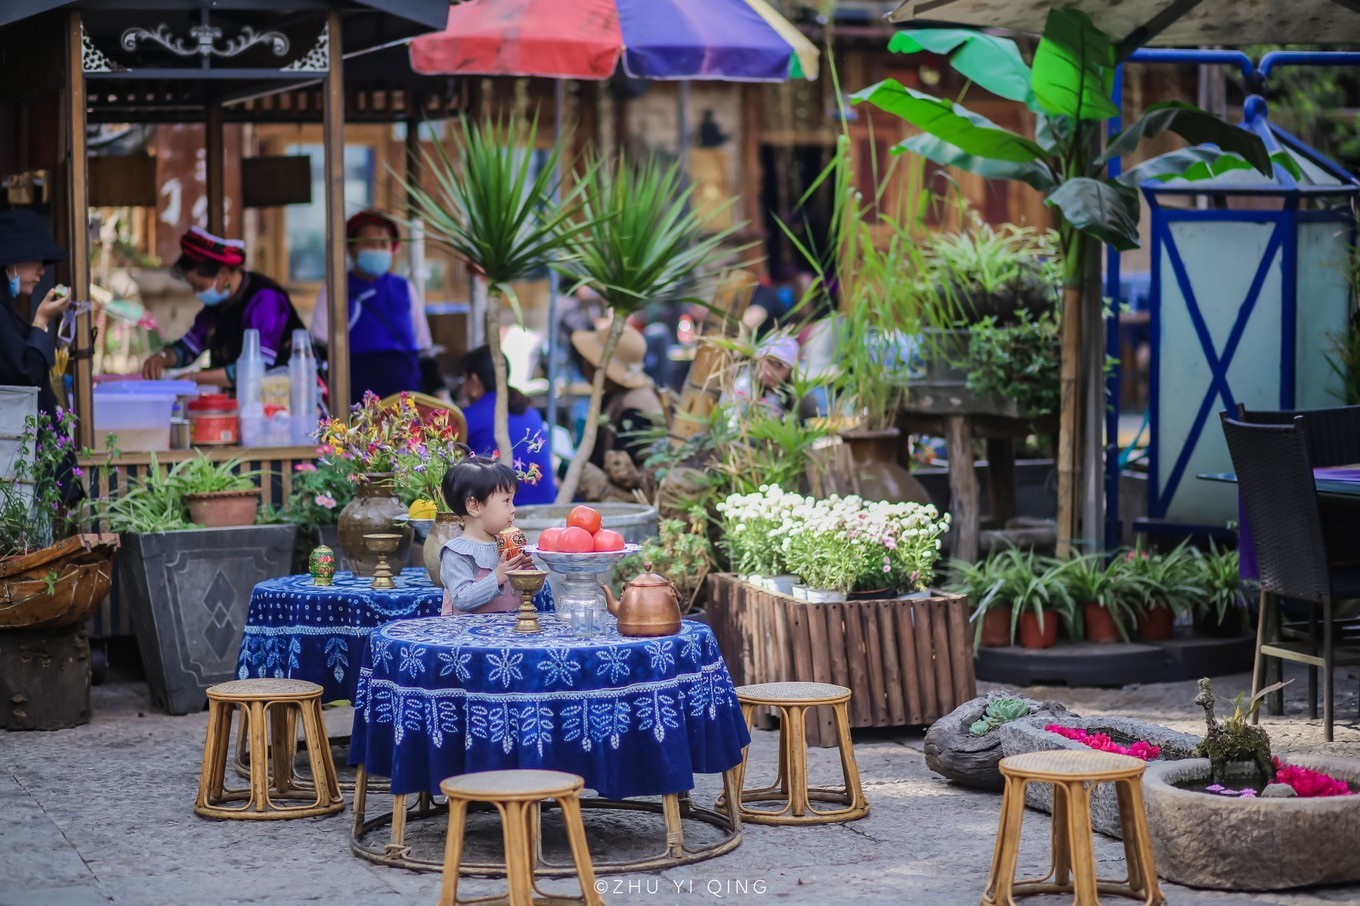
474, 573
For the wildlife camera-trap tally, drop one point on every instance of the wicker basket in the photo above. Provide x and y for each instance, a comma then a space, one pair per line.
57, 586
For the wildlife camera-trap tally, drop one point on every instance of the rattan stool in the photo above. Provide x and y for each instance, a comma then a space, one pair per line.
277, 702
1072, 774
791, 785
516, 795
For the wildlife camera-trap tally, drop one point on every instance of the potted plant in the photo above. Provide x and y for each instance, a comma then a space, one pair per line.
52, 577
320, 491
420, 466
1219, 610
1035, 589
492, 208
217, 494
1162, 585
1108, 614
634, 239
981, 583
187, 588
370, 440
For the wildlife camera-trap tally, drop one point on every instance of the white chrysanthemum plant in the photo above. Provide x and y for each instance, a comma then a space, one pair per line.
838, 544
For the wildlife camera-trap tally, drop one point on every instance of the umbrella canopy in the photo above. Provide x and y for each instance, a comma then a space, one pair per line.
1175, 23
729, 40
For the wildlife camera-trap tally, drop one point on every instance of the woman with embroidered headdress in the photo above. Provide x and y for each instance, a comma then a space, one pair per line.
234, 300
388, 329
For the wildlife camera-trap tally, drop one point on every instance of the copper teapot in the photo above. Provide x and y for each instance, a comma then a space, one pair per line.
648, 606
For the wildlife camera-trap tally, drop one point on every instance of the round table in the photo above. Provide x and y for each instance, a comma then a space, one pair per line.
634, 717
298, 630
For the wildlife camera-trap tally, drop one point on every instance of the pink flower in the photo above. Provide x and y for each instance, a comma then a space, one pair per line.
322, 500
1309, 783
1103, 743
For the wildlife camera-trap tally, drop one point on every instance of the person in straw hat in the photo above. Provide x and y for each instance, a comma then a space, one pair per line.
631, 406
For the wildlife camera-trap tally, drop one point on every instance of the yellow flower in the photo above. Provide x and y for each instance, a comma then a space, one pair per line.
422, 509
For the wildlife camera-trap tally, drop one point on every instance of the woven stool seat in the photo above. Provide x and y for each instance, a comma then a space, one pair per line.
269, 689
1073, 867
270, 710
790, 789
771, 693
516, 795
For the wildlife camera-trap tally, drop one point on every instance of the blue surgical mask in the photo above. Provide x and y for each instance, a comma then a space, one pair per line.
374, 262
213, 296
13, 285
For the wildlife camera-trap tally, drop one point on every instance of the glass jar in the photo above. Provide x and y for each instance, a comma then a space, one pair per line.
214, 421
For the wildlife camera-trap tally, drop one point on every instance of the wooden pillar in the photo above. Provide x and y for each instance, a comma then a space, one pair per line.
78, 215
337, 296
214, 152
963, 489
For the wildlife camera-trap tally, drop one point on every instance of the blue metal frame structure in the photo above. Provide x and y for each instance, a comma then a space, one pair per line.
1282, 244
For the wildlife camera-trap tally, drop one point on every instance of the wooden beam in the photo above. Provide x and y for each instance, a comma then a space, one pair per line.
214, 152
79, 218
334, 167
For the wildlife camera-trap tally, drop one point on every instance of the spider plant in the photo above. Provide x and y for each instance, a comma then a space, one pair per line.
1218, 574
634, 239
1022, 581
1151, 579
1089, 580
493, 209
149, 504
201, 475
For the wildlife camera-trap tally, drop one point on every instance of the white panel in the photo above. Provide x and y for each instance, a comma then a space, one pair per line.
1323, 308
1221, 260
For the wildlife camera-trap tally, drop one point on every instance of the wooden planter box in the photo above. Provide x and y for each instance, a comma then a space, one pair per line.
907, 662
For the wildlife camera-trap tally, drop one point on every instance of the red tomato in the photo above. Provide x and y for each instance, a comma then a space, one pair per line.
575, 540
605, 540
550, 539
583, 517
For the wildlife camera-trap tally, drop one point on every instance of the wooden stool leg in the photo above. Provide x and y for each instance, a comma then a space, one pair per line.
282, 749
854, 791
210, 777
1007, 852
1140, 848
360, 800
1083, 844
259, 754
675, 831
732, 792
580, 854
795, 731
1060, 842
518, 866
453, 850
324, 778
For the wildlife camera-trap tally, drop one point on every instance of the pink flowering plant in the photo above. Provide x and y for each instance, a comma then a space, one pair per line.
1102, 742
43, 499
320, 491
1305, 782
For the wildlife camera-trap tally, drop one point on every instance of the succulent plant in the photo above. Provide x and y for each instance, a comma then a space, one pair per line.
1003, 710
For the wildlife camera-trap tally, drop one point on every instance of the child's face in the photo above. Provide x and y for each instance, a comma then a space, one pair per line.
495, 513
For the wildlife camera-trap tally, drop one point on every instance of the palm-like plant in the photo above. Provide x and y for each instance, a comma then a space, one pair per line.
1069, 89
633, 239
494, 209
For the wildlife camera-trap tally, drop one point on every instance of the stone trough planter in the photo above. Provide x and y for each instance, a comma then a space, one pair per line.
1029, 735
969, 760
1228, 843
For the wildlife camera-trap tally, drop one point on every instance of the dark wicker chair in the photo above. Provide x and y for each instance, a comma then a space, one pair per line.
1333, 434
1275, 478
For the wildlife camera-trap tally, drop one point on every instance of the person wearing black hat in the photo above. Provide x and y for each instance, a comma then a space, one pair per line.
388, 330
27, 346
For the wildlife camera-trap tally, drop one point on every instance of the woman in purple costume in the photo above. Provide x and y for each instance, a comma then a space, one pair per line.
234, 300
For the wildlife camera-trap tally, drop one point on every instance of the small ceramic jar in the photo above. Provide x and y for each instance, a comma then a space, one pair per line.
321, 564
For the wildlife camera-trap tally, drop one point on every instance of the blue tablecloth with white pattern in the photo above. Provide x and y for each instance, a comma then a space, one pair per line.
633, 716
298, 630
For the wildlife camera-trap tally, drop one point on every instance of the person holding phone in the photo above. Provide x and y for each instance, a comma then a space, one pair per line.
27, 344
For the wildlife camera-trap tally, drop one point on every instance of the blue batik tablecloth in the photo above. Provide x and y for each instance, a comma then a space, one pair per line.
317, 632
634, 717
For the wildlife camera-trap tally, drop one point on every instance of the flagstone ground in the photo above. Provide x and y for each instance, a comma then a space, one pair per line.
103, 813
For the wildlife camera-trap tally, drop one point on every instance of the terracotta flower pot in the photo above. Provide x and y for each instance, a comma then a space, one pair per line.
1031, 636
996, 629
1100, 624
223, 509
446, 527
1156, 623
375, 509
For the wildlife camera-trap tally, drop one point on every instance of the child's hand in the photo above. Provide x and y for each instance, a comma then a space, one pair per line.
519, 561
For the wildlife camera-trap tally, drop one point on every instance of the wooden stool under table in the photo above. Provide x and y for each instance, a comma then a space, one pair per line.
277, 703
1072, 774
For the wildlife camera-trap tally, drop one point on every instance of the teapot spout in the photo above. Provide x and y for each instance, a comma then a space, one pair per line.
610, 601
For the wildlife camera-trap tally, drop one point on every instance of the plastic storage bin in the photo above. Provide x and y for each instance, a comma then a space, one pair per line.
138, 412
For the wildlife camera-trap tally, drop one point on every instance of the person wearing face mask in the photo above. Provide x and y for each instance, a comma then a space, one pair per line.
387, 325
234, 300
27, 346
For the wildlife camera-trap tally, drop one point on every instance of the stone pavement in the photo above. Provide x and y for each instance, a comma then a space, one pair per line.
104, 813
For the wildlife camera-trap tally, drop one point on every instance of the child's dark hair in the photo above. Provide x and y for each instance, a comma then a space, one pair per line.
476, 477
